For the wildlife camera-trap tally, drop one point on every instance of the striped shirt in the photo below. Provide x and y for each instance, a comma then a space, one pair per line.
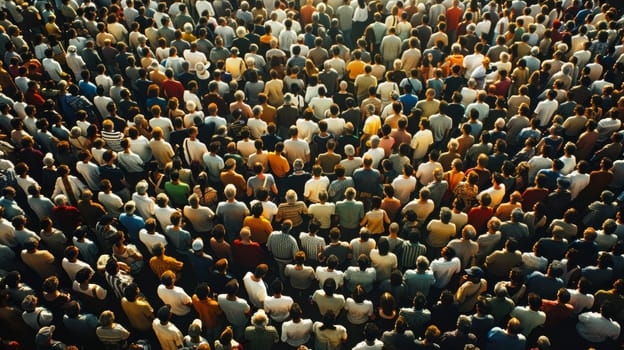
282, 245
118, 283
113, 140
410, 253
293, 212
311, 245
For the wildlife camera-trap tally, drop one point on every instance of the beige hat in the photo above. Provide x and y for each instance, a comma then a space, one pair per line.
200, 70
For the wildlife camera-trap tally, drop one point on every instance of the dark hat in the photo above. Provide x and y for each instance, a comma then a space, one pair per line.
475, 272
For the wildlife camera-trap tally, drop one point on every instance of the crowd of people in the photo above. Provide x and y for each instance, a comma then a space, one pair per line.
331, 174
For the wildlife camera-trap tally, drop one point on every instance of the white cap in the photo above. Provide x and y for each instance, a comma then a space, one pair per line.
198, 244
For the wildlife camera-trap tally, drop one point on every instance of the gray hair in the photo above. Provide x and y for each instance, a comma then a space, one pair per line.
60, 199
291, 196
229, 191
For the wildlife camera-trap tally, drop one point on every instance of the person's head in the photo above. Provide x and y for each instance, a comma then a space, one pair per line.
168, 278
464, 323
513, 326
260, 319
363, 262
329, 287
295, 312
387, 304
106, 319
371, 331
448, 253
534, 301
261, 270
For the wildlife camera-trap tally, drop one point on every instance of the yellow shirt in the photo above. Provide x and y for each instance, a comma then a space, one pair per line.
355, 68
372, 125
139, 312
160, 265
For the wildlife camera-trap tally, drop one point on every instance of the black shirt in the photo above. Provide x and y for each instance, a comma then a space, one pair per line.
114, 175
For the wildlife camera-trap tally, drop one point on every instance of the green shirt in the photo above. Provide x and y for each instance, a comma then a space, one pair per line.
261, 338
178, 193
350, 213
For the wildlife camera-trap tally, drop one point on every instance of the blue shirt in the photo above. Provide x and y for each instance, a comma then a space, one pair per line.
88, 89
408, 101
551, 178
499, 339
132, 223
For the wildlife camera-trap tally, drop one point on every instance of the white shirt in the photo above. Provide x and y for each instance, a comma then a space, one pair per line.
200, 218
163, 216
194, 150
377, 154
130, 162
278, 308
314, 186
594, 327
471, 62
269, 209
322, 275
383, 264
322, 213
496, 194
169, 336
578, 182
580, 301
144, 205
403, 187
335, 126
351, 165
149, 240
92, 288
443, 270
295, 334
358, 313
256, 291
320, 105
72, 268
286, 39
193, 58
111, 202
296, 149
141, 147
421, 141
257, 127
53, 68
306, 128
545, 110
163, 123
177, 298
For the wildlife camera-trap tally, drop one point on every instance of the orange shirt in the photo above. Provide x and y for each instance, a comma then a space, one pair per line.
208, 310
260, 228
266, 39
279, 164
306, 13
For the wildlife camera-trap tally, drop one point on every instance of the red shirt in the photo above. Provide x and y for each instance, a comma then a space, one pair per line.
531, 196
172, 88
479, 216
247, 256
453, 15
556, 312
502, 87
32, 97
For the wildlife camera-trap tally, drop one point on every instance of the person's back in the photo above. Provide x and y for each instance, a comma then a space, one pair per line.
261, 337
498, 338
